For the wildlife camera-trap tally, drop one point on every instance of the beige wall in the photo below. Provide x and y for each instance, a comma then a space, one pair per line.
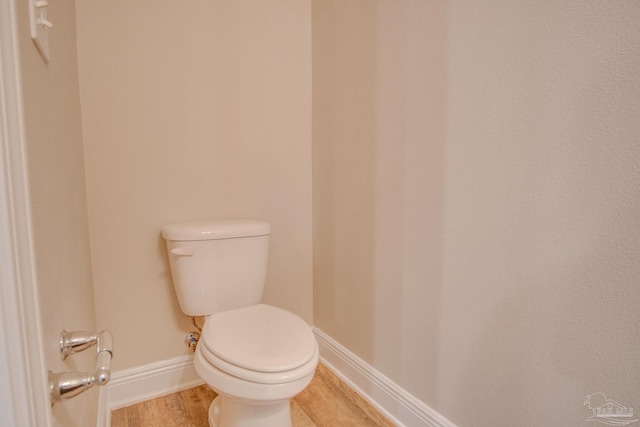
192, 111
476, 198
58, 199
378, 142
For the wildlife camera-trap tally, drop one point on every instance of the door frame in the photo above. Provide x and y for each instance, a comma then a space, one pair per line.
24, 398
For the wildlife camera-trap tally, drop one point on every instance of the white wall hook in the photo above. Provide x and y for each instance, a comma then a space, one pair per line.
44, 22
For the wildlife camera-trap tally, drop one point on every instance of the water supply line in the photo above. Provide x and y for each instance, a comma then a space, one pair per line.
192, 338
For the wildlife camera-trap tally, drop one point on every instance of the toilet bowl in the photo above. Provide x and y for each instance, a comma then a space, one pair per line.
255, 356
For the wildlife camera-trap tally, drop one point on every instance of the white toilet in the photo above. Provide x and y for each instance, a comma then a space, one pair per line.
255, 356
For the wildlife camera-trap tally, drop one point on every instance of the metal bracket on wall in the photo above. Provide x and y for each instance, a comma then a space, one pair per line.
65, 385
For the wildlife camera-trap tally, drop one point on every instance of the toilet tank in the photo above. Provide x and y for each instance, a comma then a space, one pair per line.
217, 265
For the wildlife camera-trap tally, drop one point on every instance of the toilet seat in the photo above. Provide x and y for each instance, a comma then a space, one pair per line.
259, 343
259, 377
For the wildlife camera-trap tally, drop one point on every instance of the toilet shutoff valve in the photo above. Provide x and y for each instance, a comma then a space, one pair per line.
191, 340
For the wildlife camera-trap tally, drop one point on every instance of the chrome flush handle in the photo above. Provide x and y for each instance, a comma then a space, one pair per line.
65, 385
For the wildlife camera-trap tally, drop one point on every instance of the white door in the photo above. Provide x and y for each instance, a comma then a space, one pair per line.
23, 389
45, 273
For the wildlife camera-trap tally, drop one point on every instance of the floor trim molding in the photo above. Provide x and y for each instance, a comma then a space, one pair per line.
395, 403
135, 385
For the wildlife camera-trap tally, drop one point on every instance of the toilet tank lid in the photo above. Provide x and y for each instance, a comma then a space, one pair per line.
215, 229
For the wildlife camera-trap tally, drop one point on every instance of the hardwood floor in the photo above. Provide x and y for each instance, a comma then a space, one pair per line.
326, 402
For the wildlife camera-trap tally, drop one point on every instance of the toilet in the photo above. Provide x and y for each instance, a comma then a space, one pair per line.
255, 356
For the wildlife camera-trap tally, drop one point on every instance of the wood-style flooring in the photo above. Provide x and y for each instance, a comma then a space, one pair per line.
326, 402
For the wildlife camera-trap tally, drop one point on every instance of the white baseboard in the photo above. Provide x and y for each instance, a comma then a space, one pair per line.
131, 386
399, 406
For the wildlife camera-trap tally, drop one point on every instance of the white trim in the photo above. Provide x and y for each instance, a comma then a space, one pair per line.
25, 395
131, 386
399, 406
104, 412
146, 382
135, 385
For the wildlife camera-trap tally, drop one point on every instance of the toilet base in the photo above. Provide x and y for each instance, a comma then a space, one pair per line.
214, 412
229, 412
